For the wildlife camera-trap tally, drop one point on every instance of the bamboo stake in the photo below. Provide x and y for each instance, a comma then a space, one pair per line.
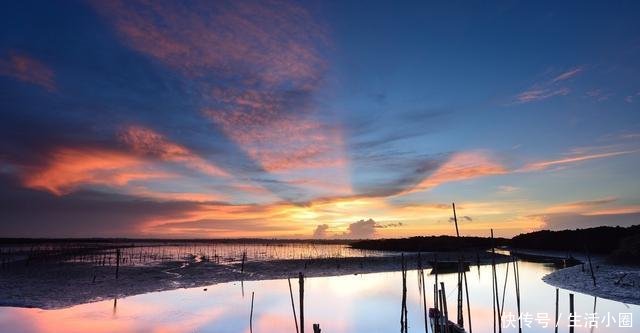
466, 290
403, 310
301, 282
504, 288
593, 277
424, 302
464, 275
557, 299
571, 314
455, 219
293, 307
493, 300
117, 262
441, 320
444, 304
516, 275
495, 282
251, 315
460, 318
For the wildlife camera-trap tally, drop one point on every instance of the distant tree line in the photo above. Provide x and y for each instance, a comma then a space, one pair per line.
429, 243
622, 244
601, 240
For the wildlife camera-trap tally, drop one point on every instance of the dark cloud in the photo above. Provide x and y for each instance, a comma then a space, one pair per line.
389, 225
461, 219
393, 172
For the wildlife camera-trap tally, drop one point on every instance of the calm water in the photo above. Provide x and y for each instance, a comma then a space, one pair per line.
354, 303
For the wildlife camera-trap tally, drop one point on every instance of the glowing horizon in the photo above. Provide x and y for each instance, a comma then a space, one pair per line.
287, 119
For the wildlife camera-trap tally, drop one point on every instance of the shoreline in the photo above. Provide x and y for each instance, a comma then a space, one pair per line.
614, 282
56, 286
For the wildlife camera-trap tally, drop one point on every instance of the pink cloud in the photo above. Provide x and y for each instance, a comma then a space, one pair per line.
27, 69
462, 166
270, 53
273, 41
148, 142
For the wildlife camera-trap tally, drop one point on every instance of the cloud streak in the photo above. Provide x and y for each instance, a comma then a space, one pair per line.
549, 88
542, 165
24, 68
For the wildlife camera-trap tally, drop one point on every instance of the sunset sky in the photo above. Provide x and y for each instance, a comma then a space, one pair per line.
329, 119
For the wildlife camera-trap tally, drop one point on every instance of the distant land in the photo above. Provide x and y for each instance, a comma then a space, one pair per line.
622, 244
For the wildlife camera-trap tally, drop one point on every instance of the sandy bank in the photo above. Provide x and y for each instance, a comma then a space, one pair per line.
614, 282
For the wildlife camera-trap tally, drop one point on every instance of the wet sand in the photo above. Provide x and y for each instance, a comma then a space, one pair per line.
53, 286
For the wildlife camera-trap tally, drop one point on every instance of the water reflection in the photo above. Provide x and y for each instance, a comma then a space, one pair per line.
353, 303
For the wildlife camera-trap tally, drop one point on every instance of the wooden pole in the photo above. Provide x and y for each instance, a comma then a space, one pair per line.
117, 262
504, 288
403, 310
424, 302
455, 219
251, 315
436, 305
441, 320
557, 300
495, 282
571, 314
493, 300
462, 274
466, 291
444, 304
301, 282
293, 307
516, 275
593, 277
244, 258
460, 318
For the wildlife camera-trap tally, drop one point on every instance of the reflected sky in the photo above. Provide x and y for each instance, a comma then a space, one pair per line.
352, 303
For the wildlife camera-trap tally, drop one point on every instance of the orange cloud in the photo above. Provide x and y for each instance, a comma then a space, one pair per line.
461, 166
604, 206
69, 168
148, 142
579, 206
26, 69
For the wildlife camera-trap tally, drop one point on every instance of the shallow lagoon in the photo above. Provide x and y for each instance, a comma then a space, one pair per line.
350, 303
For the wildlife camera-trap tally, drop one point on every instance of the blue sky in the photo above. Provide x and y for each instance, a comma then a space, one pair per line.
325, 119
